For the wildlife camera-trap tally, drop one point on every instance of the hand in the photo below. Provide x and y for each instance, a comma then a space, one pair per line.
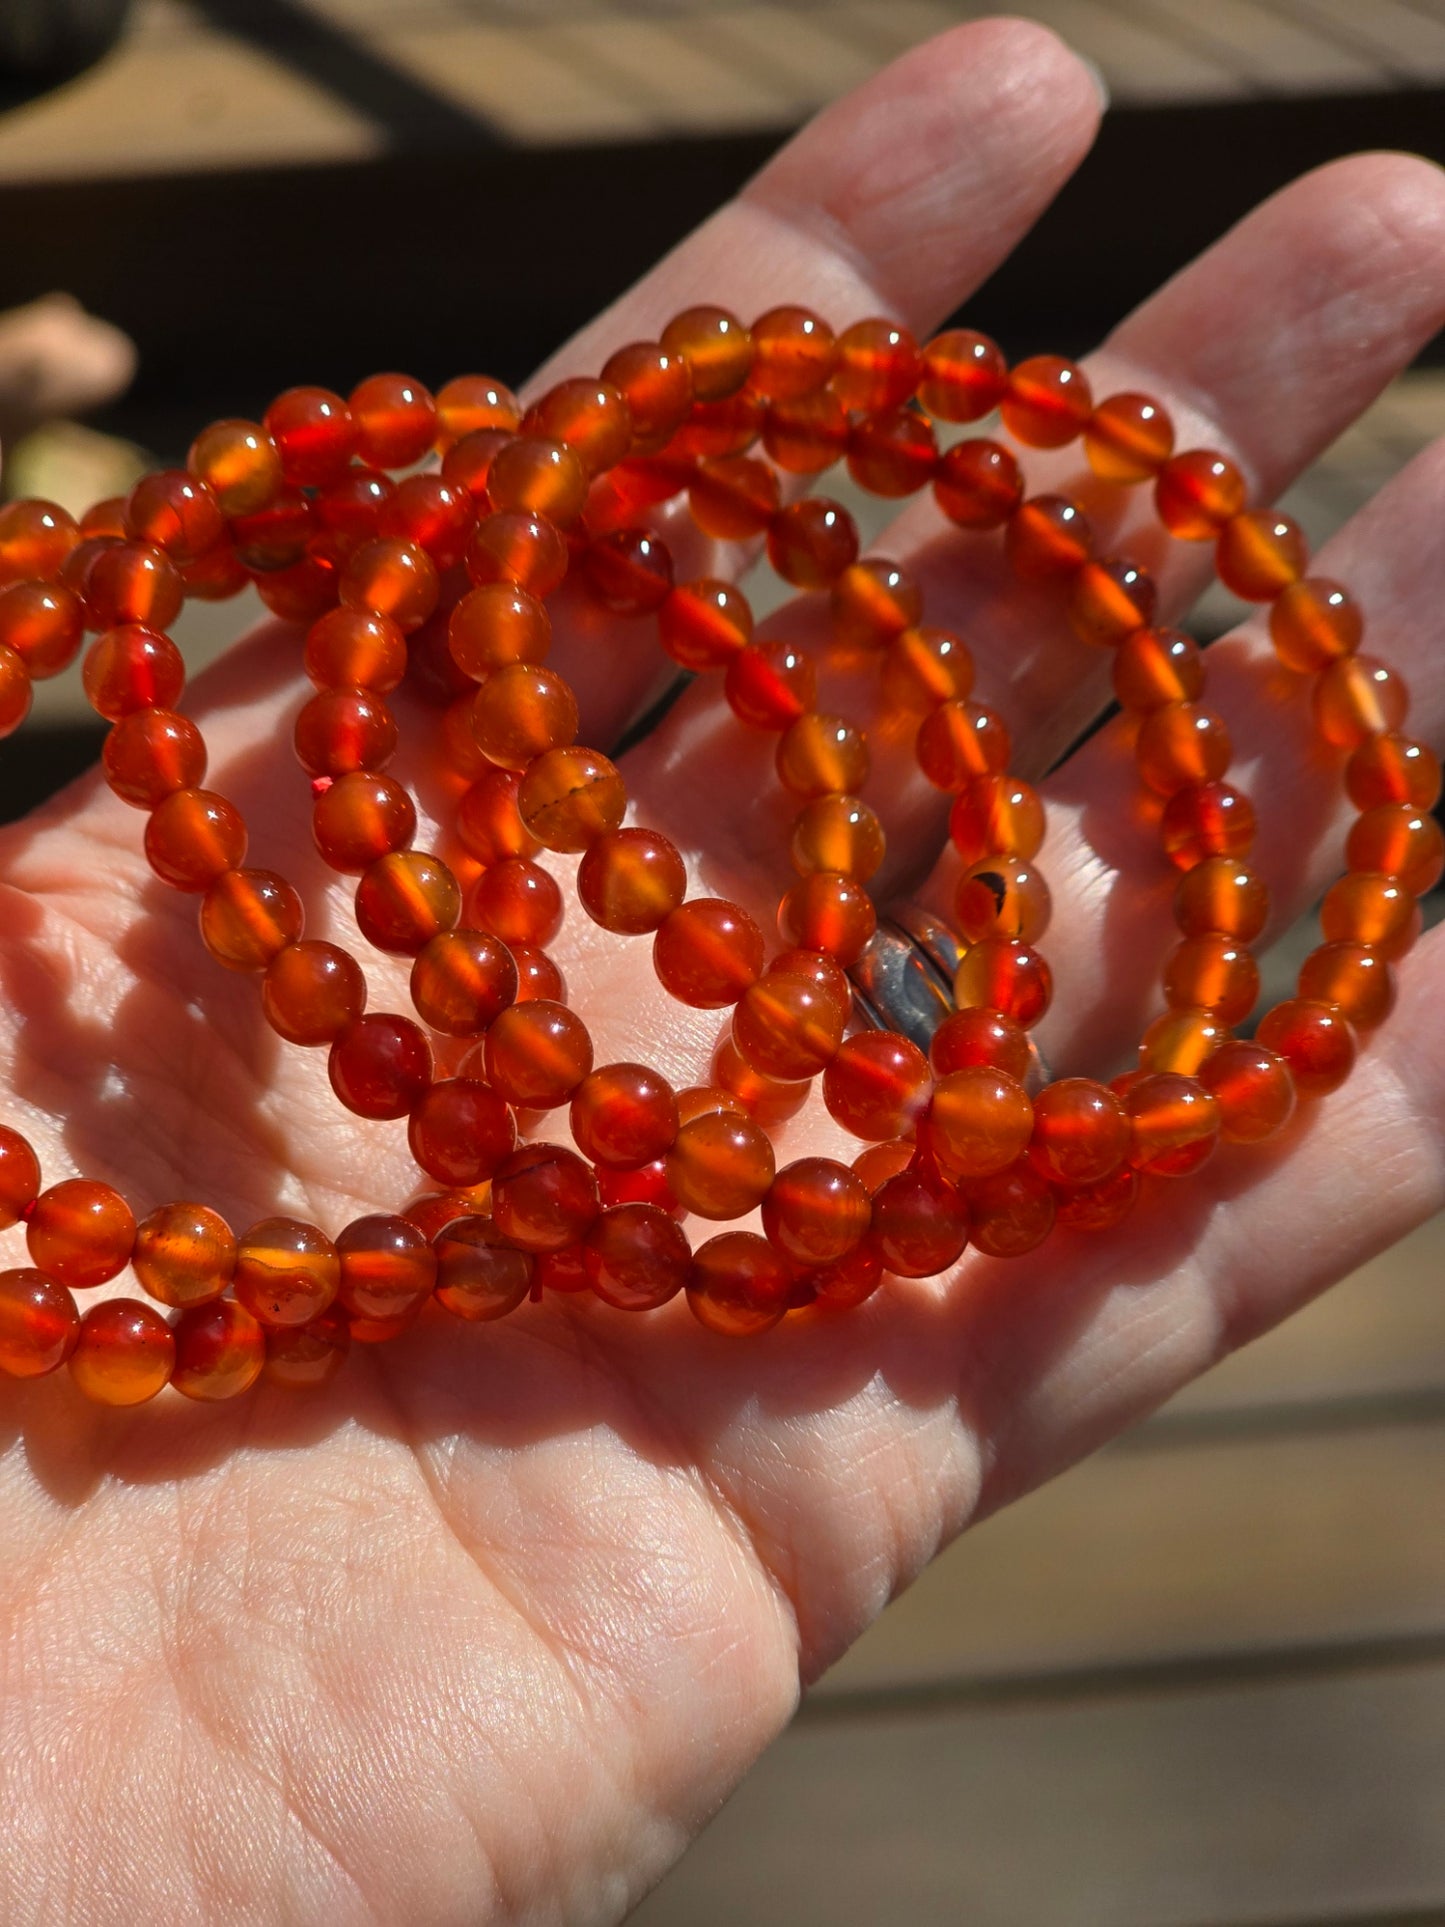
489, 1628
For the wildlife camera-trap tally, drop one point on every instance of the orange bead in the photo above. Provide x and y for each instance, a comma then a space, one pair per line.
1128, 438
80, 1233
387, 1267
341, 730
301, 1357
540, 476
1109, 600
978, 485
1098, 1207
1048, 538
1181, 744
44, 624
636, 1257
1010, 1213
828, 912
429, 1213
1315, 1040
359, 818
806, 436
847, 1284
733, 498
591, 417
872, 602
132, 668
1080, 1132
978, 1121
353, 648
275, 537
919, 1229
39, 1323
124, 1353
314, 435
461, 1131
302, 593
184, 1254
437, 515
536, 1054
629, 571
520, 711
544, 1197
1006, 976
404, 900
624, 1114
964, 376
980, 1037
892, 455
703, 625
19, 1177
248, 917
959, 742
462, 981
1154, 667
1253, 1089
175, 512
393, 578
1181, 1041
468, 462
220, 1350
1214, 973
716, 347
811, 542
239, 463
738, 1285
469, 403
35, 540
1047, 401
720, 1164
488, 823
657, 387
1221, 895
879, 1162
106, 517
1001, 897
1259, 553
1204, 820
520, 546
707, 952
818, 754
1314, 622
518, 901
311, 992
1197, 493
816, 1211
837, 833
925, 667
1173, 1122
569, 797
395, 420
879, 367
1365, 906
1354, 978
631, 881
380, 1065
769, 1101
1398, 841
287, 1272
479, 1275
787, 1027
1357, 697
794, 353
996, 815
713, 428
16, 694
1392, 769
132, 582
770, 684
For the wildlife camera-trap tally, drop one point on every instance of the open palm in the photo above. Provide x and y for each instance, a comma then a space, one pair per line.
488, 1628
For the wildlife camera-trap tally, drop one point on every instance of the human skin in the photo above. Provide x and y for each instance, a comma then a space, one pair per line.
486, 1630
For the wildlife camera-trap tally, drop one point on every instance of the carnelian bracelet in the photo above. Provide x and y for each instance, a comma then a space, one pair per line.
444, 577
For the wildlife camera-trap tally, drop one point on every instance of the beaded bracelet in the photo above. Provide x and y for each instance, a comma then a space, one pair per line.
445, 576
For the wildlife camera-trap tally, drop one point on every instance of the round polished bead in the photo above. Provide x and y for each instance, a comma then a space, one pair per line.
1314, 622
1007, 976
468, 403
716, 348
521, 711
16, 694
1197, 492
872, 602
892, 455
519, 546
794, 353
702, 625
1098, 1207
828, 912
978, 1121
35, 539
350, 512
394, 418
631, 881
877, 1085
1109, 599
733, 498
1180, 744
43, 623
311, 992
460, 1131
624, 1114
431, 512
1047, 402
1357, 697
1173, 1122
964, 376
496, 624
1011, 1212
175, 512
770, 684
629, 571
845, 1285
1354, 978
341, 730
1398, 840
591, 417
657, 387
220, 1350
1048, 538
996, 815
1392, 769
468, 462
712, 429
314, 435
1221, 895
287, 1272
919, 1228
39, 1323
248, 917
1260, 553
738, 1285
239, 463
184, 1254
570, 796
302, 1357
544, 1197
380, 1065
707, 952
720, 1165
1366, 906
1080, 1133
1128, 438
538, 978
816, 1211
811, 542
538, 475
276, 536
462, 981
1215, 973
879, 367
960, 742
1001, 897
392, 578
302, 593
636, 1256
19, 1176
980, 1037
925, 667
359, 818
769, 1101
805, 436
479, 1275
1253, 1089
1204, 820
1315, 1040
838, 833
80, 1233
978, 484
1155, 667
537, 1053
388, 1267
123, 1354
787, 1027
487, 820
355, 648
404, 900
518, 901
132, 668
1181, 1040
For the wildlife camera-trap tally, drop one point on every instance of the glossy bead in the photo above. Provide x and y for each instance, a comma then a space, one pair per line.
720, 1165
716, 348
314, 435
1314, 622
404, 900
770, 684
1181, 1040
287, 1272
80, 1233
35, 540
544, 1197
1354, 978
395, 420
1214, 973
1315, 1040
1253, 1089
816, 1211
388, 1267
1155, 667
132, 668
879, 367
1173, 1123
877, 1085
1259, 553
1001, 897
39, 1323
1047, 401
1080, 1132
433, 1210
123, 1354
175, 512
132, 582
1357, 697
569, 797
892, 455
702, 625
1197, 492
239, 463
872, 602
469, 403
462, 981
1365, 906
16, 694
846, 1284
787, 1027
1392, 769
460, 1131
389, 577
19, 1176
978, 1121
302, 1357
769, 1101
276, 536
837, 833
707, 952
538, 475
806, 436
960, 742
1047, 538
248, 917
794, 353
733, 498
624, 1114
978, 484
487, 821
1398, 840
538, 978
520, 546
518, 901
1006, 976
380, 1065
712, 429
564, 1270
479, 1276
811, 542
657, 387
360, 818
220, 1351
591, 417
637, 1184
980, 1037
520, 711
1180, 744
996, 815
353, 648
1128, 438
1109, 599
1010, 1213
1221, 895
341, 730
828, 912
1204, 820
349, 512
184, 1254
738, 1285
918, 1228
631, 881
311, 992
925, 667
44, 624
467, 464
1098, 1207
964, 376
636, 1257
432, 513
878, 1163
629, 571
536, 1054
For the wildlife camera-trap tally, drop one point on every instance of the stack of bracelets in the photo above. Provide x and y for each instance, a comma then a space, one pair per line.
446, 574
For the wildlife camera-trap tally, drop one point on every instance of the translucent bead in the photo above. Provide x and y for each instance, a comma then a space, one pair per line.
302, 1357
1047, 401
716, 347
1180, 744
220, 1350
811, 542
1365, 906
733, 498
564, 1270
35, 540
657, 387
1098, 1207
996, 815
1181, 1041
770, 684
1259, 553
80, 1233
1128, 438
787, 1027
978, 1121
287, 1272
1392, 769
39, 1323
395, 420
1204, 820
248, 917
469, 403
713, 428
637, 1184
980, 1037
132, 668
314, 435
518, 901
387, 1267
16, 694
720, 1165
631, 881
538, 978
636, 1256
1253, 1089
1001, 897
360, 817
432, 513
624, 1114
462, 981
44, 624
845, 1285
877, 1085
1197, 492
404, 900
389, 577
132, 582
879, 367
1215, 973
544, 1197
487, 820
479, 1275
1357, 697
124, 1353
1314, 622
1221, 895
964, 376
925, 667
1047, 538
701, 1100
520, 711
838, 833
816, 1211
591, 417
1315, 1040
184, 1255
355, 649
468, 463
1005, 976
380, 1065
1154, 667
738, 1285
1080, 1132
239, 463
175, 512
806, 436
311, 992
828, 912
461, 1131
1398, 841
276, 536
1110, 599
1174, 1124
978, 484
629, 571
959, 742
1010, 1213
520, 546
571, 796
707, 952
892, 455
794, 353
1354, 978
19, 1177
872, 602
341, 730
918, 1228
536, 1054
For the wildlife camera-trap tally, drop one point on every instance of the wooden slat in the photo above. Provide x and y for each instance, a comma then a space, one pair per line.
681, 85
523, 82
1297, 1802
1140, 58
1409, 40
801, 55
1268, 48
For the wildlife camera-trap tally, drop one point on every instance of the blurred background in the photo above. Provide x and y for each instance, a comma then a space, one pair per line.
1200, 1680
